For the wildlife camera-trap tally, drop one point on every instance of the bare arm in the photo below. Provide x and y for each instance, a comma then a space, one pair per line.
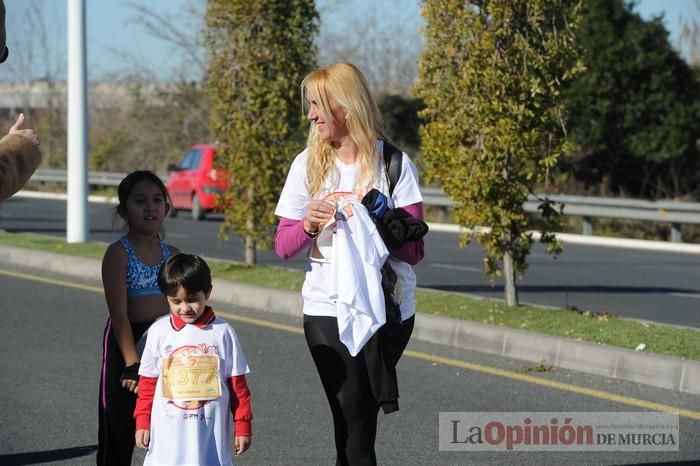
114, 283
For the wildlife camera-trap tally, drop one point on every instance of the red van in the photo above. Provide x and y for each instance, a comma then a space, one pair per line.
195, 184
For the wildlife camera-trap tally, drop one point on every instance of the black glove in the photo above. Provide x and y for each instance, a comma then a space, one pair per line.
376, 203
131, 372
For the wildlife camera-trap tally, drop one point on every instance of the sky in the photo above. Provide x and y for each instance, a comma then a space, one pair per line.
117, 44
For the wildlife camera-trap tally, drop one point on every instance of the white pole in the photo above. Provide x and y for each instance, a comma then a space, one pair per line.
77, 221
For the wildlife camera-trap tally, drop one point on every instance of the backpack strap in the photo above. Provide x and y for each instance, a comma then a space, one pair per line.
393, 158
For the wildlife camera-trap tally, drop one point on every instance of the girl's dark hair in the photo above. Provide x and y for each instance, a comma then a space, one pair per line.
127, 185
184, 270
132, 179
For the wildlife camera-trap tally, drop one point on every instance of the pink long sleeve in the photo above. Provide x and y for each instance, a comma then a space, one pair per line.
413, 251
290, 238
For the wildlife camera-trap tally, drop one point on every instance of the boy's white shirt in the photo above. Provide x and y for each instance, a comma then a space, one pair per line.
295, 199
177, 426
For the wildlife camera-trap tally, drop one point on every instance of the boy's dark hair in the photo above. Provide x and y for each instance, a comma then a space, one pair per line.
187, 271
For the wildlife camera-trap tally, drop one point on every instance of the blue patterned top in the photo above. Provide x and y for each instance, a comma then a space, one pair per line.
142, 279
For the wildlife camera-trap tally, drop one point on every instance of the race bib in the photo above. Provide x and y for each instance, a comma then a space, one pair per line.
192, 377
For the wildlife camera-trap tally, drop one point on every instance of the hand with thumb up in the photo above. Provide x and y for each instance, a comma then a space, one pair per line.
25, 133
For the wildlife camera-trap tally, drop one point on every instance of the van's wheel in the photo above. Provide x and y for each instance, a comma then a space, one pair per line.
172, 213
197, 210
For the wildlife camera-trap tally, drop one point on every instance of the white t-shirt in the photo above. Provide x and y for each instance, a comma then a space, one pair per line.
191, 432
293, 203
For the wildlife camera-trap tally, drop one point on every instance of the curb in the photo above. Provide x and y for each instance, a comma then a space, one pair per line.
646, 368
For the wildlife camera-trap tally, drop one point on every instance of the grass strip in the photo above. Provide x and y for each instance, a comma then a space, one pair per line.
601, 328
52, 244
261, 275
593, 327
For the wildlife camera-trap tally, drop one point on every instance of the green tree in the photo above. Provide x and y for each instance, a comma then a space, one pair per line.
490, 76
635, 112
259, 53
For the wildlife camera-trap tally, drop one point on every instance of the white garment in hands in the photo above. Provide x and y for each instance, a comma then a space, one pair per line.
356, 278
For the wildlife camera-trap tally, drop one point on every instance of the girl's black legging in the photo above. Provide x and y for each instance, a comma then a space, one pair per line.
347, 388
115, 444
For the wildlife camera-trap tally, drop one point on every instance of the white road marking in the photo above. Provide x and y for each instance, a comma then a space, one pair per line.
457, 267
687, 295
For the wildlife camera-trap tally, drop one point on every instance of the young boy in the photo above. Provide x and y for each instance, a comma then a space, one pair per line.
192, 376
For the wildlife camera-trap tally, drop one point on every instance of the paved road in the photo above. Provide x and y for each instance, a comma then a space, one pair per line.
50, 337
657, 286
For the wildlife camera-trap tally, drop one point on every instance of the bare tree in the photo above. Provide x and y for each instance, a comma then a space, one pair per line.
689, 37
184, 33
382, 38
174, 105
37, 61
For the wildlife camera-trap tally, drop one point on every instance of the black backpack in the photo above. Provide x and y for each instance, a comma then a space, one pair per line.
393, 158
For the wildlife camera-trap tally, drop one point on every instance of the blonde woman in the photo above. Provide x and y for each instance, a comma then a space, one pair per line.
343, 161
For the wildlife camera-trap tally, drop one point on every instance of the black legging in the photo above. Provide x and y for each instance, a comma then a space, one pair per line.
347, 388
115, 444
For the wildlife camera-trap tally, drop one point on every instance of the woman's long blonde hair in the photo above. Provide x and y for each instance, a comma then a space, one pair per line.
345, 84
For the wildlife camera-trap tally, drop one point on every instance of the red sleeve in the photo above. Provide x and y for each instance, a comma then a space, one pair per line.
240, 405
290, 238
412, 252
144, 403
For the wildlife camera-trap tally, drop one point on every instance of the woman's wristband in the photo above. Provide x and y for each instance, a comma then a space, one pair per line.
310, 234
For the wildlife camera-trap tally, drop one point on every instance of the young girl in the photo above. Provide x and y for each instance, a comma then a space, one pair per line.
192, 376
129, 277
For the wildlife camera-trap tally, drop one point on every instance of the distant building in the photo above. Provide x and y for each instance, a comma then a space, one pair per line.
32, 96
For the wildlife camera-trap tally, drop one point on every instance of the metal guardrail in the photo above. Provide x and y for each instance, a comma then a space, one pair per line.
588, 207
675, 213
94, 178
